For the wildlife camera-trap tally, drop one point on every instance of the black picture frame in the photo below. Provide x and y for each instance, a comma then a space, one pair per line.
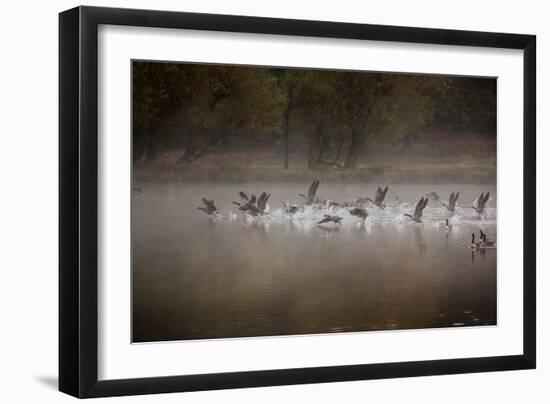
78, 201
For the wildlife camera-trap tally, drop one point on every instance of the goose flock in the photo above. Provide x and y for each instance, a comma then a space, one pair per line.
330, 212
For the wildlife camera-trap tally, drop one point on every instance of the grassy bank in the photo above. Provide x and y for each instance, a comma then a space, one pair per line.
457, 159
418, 173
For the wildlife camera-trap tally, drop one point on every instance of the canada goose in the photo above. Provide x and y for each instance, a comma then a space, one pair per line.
379, 197
359, 212
433, 196
453, 198
481, 202
329, 218
244, 196
474, 245
360, 201
329, 204
311, 193
262, 201
248, 204
245, 199
209, 207
290, 208
484, 243
417, 217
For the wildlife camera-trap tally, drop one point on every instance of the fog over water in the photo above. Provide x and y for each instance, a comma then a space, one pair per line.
199, 277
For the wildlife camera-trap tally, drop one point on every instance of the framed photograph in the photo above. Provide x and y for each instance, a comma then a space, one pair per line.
251, 201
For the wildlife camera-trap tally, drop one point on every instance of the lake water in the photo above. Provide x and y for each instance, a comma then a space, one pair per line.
198, 277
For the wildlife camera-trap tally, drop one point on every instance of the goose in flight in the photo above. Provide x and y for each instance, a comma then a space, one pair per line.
379, 197
245, 199
330, 219
433, 196
262, 202
481, 201
359, 212
453, 198
311, 193
247, 204
252, 205
417, 217
209, 207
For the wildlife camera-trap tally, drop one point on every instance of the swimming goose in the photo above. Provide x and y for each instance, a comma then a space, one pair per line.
359, 212
329, 218
484, 243
453, 198
417, 217
481, 202
311, 193
474, 245
379, 197
209, 207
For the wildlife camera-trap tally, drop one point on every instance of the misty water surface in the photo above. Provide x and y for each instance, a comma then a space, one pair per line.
195, 277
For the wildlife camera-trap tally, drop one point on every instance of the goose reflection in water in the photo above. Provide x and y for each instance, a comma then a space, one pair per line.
419, 239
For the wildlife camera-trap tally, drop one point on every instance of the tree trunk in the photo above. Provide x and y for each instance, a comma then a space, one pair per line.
339, 149
286, 125
187, 156
193, 153
355, 149
315, 147
285, 137
406, 145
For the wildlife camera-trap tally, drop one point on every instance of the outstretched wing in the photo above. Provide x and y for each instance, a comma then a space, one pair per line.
243, 196
207, 202
418, 208
265, 198
262, 200
479, 201
377, 194
252, 200
312, 192
452, 200
384, 192
486, 199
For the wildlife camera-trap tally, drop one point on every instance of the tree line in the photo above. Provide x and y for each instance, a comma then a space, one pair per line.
339, 113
